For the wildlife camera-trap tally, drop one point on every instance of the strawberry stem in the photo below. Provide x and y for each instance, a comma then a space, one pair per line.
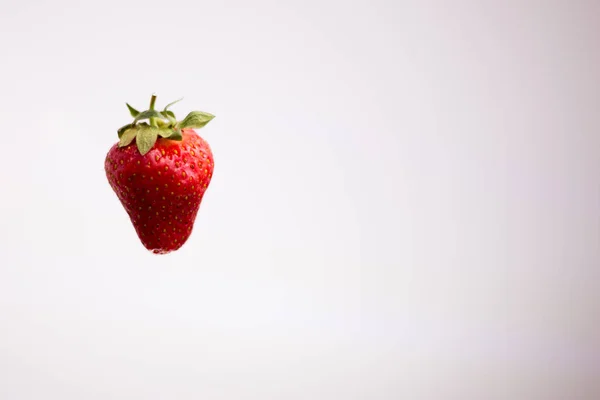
152, 102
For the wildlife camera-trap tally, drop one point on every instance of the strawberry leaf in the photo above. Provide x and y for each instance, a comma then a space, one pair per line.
123, 129
134, 113
171, 134
196, 119
147, 115
170, 104
176, 135
145, 139
165, 132
127, 137
170, 116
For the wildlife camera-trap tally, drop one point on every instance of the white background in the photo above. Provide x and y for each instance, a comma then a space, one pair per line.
405, 204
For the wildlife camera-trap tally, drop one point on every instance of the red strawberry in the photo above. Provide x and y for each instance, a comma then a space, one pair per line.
162, 178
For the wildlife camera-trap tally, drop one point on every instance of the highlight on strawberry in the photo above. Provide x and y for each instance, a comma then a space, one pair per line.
160, 170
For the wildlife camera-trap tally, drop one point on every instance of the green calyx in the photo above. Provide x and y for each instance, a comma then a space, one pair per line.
160, 123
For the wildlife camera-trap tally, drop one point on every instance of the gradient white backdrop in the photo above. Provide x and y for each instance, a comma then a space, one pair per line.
405, 204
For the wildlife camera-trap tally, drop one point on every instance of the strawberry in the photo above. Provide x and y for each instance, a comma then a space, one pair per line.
160, 170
